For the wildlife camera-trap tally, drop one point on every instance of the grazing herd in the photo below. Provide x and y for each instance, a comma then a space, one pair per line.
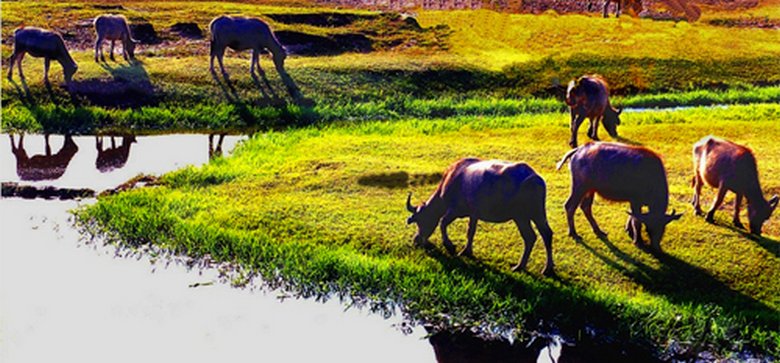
235, 32
497, 191
492, 191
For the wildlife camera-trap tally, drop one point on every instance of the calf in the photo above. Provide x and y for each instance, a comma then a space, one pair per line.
730, 167
588, 96
623, 173
113, 28
41, 43
492, 191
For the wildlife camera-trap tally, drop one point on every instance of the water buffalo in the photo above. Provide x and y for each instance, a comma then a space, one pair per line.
492, 191
43, 167
241, 33
730, 167
588, 96
634, 5
113, 28
41, 43
623, 173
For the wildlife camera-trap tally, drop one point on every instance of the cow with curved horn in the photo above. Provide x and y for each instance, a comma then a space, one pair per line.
588, 97
41, 43
113, 28
730, 167
492, 191
622, 173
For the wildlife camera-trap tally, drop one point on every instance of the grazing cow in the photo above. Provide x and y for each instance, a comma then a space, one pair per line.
492, 191
241, 33
43, 167
623, 173
41, 43
634, 5
588, 96
113, 28
730, 167
114, 157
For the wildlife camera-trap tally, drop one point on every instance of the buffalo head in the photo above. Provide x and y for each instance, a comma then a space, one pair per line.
758, 215
656, 225
425, 219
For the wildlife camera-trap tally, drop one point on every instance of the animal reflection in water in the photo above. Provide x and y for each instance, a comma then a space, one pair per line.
43, 167
114, 157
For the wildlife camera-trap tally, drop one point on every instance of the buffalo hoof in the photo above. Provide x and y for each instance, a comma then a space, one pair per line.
548, 271
518, 268
450, 249
698, 212
467, 252
710, 218
572, 144
600, 234
738, 224
575, 237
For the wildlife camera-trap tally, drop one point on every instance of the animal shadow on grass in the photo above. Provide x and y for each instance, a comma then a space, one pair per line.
130, 86
399, 179
627, 141
770, 245
681, 282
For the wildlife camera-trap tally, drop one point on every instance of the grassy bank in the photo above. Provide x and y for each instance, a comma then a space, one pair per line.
453, 65
322, 209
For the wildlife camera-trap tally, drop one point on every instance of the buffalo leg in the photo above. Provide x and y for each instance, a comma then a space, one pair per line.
619, 6
445, 238
576, 121
529, 238
19, 65
593, 131
111, 51
571, 207
635, 232
11, 61
255, 57
547, 236
606, 8
468, 251
586, 206
737, 203
99, 49
716, 203
46, 64
697, 184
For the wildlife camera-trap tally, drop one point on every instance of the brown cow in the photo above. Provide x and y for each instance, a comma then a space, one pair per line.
44, 44
623, 173
730, 167
113, 28
492, 191
588, 96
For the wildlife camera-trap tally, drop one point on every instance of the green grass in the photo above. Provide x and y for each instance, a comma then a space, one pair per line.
322, 209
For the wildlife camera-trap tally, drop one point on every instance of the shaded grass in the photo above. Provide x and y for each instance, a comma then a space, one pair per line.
322, 209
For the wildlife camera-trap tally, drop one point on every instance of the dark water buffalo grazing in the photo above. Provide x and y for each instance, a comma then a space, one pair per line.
634, 5
730, 167
588, 97
492, 191
623, 173
241, 33
44, 44
113, 28
43, 167
114, 157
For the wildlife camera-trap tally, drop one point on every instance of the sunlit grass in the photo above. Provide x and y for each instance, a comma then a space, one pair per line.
324, 209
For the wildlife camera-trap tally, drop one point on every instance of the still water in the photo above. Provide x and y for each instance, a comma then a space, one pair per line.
62, 300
